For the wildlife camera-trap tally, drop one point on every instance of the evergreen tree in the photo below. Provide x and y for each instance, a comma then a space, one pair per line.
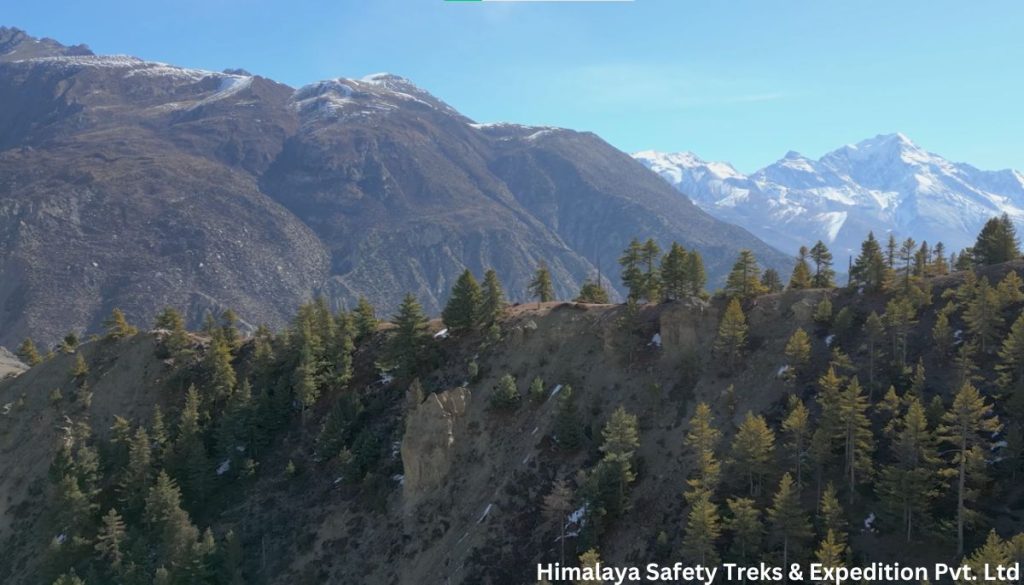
220, 374
798, 352
695, 275
652, 284
997, 242
831, 517
967, 429
801, 277
537, 393
908, 487
752, 451
138, 473
869, 270
744, 523
703, 529
191, 462
831, 552
229, 326
28, 353
568, 428
797, 429
940, 265
365, 319
890, 252
593, 293
1009, 289
80, 370
620, 434
110, 541
465, 305
557, 504
176, 342
1011, 366
494, 302
70, 578
506, 395
744, 280
789, 526
900, 317
874, 331
408, 342
117, 326
169, 526
824, 276
771, 281
631, 261
732, 333
994, 553
906, 256
858, 441
675, 273
701, 442
823, 311
942, 334
983, 315
541, 287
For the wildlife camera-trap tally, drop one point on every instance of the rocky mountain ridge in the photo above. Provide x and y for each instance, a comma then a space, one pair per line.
134, 184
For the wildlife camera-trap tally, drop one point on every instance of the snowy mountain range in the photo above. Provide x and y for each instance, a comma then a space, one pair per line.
886, 184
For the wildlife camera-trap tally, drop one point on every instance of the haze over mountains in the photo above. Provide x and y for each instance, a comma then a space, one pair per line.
886, 183
133, 184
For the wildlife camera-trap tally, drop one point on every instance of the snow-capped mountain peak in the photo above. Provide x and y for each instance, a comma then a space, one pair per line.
887, 184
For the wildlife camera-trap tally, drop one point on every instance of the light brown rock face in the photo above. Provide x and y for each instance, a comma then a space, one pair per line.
429, 442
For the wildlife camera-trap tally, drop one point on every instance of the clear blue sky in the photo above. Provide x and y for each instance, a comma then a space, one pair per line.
742, 81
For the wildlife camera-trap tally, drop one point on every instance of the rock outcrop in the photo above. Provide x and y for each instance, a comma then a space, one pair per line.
429, 441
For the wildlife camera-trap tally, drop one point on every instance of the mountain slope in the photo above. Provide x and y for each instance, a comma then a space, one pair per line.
138, 184
885, 184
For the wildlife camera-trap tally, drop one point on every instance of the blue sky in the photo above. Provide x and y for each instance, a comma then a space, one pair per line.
742, 81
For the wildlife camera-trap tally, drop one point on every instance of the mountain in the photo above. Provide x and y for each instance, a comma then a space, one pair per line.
134, 184
885, 184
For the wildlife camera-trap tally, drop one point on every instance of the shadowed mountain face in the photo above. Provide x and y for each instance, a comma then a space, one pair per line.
132, 184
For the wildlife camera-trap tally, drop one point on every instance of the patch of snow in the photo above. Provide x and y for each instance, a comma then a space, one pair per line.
576, 517
656, 340
442, 334
487, 512
782, 371
534, 431
526, 459
555, 391
398, 478
224, 467
829, 340
869, 522
998, 445
339, 479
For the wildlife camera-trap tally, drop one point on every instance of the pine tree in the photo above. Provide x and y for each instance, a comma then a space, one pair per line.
994, 553
652, 284
117, 326
365, 319
966, 428
771, 282
110, 540
983, 315
675, 273
169, 526
70, 578
176, 342
593, 293
80, 370
744, 280
28, 353
942, 334
801, 277
1011, 366
541, 287
874, 331
229, 326
997, 242
407, 344
858, 441
568, 428
890, 252
631, 261
590, 559
339, 426
191, 462
824, 276
701, 442
620, 434
906, 257
831, 552
900, 318
557, 504
1009, 289
908, 487
869, 269
823, 311
744, 523
506, 394
494, 302
752, 451
940, 265
831, 517
789, 526
464, 307
138, 473
536, 392
797, 429
220, 374
732, 333
703, 529
695, 275
798, 352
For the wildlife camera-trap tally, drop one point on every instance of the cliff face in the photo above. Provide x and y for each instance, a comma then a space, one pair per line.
133, 184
